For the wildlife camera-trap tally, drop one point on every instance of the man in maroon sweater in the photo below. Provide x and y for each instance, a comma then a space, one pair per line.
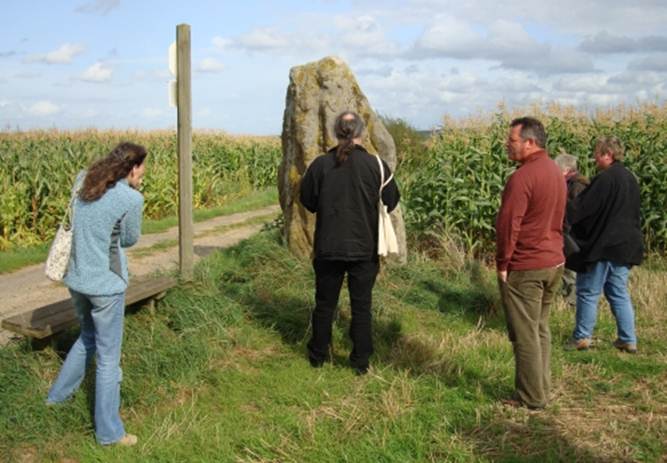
529, 257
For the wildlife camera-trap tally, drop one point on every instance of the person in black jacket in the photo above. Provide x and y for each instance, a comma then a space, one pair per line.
342, 187
606, 225
576, 183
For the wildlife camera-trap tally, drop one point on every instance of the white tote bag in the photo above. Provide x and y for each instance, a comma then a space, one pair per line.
59, 252
61, 247
387, 242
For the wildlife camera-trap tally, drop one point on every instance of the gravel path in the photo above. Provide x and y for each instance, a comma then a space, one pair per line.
28, 288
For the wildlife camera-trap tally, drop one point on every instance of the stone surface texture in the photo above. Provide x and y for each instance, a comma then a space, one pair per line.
316, 94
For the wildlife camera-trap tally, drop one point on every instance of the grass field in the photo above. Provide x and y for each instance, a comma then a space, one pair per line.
217, 372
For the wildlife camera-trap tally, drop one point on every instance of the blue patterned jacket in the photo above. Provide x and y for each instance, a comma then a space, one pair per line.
102, 228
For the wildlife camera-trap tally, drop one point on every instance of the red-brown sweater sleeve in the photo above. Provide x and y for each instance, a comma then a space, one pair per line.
508, 222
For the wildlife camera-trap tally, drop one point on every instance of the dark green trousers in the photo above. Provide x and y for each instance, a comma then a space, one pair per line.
527, 297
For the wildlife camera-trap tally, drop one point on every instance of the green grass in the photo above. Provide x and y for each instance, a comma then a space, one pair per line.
170, 243
16, 258
255, 200
217, 372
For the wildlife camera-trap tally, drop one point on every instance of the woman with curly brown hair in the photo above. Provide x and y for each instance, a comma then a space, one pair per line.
106, 218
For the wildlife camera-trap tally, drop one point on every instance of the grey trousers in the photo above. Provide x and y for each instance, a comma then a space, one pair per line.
527, 297
569, 288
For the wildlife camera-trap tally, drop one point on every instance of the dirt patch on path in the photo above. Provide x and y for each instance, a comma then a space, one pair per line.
28, 288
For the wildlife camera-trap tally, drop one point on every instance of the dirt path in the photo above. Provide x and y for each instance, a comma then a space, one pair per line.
28, 288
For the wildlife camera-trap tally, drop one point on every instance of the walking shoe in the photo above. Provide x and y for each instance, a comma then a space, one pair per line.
516, 403
628, 347
361, 371
578, 344
316, 363
128, 440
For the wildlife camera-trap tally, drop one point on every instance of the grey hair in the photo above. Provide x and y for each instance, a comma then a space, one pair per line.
566, 162
531, 129
347, 127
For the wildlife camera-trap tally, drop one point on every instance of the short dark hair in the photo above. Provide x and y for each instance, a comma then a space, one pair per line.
611, 144
531, 129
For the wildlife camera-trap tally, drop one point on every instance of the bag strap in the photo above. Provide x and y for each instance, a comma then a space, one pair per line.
69, 212
383, 183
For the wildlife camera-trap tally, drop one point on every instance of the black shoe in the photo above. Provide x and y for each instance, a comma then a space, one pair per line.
316, 363
360, 371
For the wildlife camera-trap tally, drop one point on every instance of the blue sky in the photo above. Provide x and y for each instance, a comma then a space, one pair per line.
73, 64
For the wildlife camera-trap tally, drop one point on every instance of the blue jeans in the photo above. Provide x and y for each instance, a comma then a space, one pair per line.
101, 319
613, 280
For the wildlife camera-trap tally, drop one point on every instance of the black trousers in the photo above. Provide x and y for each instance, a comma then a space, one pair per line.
329, 276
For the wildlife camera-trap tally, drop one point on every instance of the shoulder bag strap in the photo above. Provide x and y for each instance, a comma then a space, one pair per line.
69, 212
383, 182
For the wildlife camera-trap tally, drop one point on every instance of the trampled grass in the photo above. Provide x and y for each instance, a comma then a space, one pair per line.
217, 372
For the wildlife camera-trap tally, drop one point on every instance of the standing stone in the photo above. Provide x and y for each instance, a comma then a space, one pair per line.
317, 93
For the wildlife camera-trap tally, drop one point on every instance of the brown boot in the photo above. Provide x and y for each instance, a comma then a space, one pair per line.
628, 347
128, 440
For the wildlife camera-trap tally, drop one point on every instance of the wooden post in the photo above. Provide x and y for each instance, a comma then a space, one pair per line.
184, 101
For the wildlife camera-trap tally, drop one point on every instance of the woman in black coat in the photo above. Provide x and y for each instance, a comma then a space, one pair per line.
342, 187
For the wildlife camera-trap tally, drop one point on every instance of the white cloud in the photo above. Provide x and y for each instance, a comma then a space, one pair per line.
211, 65
415, 59
102, 7
552, 60
62, 55
654, 62
98, 72
363, 36
634, 82
585, 84
43, 108
221, 43
382, 71
505, 42
448, 36
567, 16
262, 40
27, 75
605, 43
270, 40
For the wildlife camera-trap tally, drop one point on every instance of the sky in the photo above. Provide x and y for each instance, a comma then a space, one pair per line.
77, 64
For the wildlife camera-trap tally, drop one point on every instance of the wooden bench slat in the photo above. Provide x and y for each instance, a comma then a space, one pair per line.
45, 312
60, 315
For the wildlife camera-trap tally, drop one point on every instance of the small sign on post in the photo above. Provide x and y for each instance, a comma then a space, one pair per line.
172, 88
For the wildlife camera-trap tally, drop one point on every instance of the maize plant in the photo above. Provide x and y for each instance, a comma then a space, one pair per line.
37, 169
455, 184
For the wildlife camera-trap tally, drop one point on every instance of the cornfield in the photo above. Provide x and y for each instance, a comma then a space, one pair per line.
450, 184
37, 169
453, 185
